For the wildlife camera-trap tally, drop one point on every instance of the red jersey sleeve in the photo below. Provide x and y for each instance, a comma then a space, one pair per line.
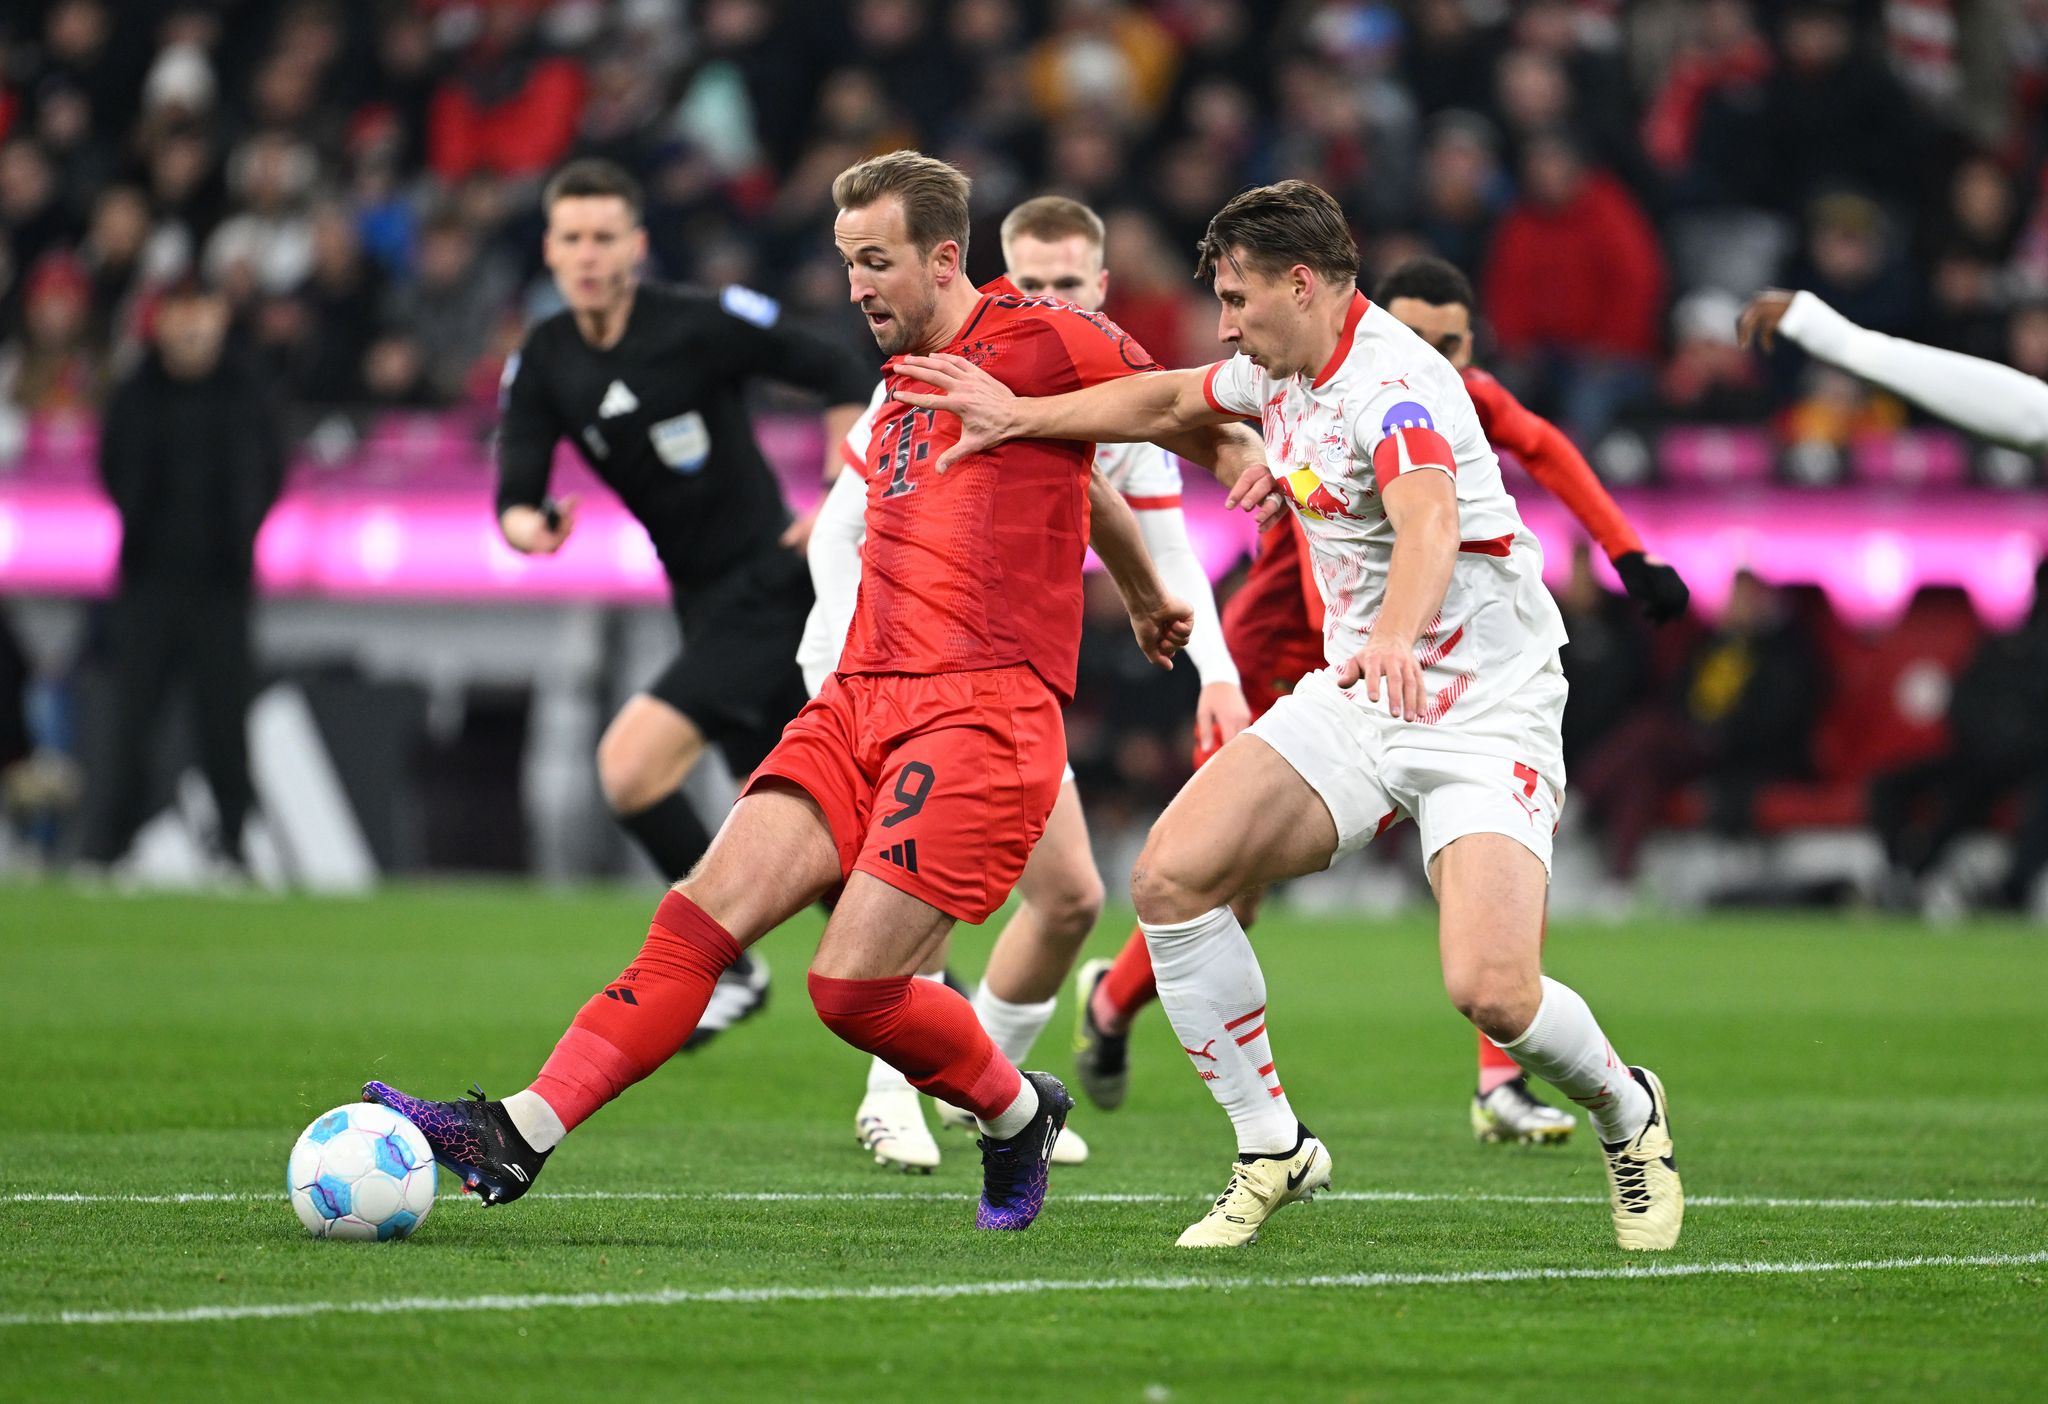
1553, 461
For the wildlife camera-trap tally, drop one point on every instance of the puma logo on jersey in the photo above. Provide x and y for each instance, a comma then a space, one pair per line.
617, 400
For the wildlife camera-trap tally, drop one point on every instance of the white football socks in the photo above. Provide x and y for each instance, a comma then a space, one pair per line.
1214, 994
1016, 1116
1014, 1027
881, 1076
535, 1120
1563, 1045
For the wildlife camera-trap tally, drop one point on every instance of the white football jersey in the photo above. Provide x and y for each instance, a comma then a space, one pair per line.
1146, 474
1384, 404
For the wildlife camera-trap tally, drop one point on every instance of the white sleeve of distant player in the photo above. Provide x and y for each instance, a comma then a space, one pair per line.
1984, 397
853, 449
1150, 477
1165, 531
836, 537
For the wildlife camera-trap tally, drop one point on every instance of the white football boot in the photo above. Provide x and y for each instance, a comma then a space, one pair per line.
1649, 1202
1069, 1149
1511, 1112
890, 1125
1258, 1187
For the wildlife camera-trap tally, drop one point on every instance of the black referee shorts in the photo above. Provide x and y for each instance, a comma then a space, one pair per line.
737, 678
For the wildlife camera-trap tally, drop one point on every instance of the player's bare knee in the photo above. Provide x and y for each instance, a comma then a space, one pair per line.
637, 767
1163, 891
1069, 914
1496, 1000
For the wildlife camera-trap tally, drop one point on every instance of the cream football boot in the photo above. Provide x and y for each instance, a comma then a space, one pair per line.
1257, 1188
1649, 1202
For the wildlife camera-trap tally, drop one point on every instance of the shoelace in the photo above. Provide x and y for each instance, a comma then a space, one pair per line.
1631, 1184
1240, 1178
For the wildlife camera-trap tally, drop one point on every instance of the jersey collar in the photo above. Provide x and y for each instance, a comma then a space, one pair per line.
1345, 340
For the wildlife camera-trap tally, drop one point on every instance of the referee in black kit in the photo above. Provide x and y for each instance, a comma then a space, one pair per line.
648, 382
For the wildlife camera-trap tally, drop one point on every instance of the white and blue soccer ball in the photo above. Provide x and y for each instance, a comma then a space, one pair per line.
361, 1171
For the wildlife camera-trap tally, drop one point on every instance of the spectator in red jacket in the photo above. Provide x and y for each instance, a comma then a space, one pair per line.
1575, 288
511, 107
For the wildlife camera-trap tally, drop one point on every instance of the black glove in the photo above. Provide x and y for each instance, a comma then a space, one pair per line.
1653, 585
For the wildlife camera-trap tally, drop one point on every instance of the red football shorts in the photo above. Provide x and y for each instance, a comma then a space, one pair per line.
939, 784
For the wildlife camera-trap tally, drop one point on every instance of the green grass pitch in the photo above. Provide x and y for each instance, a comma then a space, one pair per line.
1864, 1102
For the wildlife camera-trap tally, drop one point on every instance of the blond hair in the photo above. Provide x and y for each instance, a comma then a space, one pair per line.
933, 194
1050, 218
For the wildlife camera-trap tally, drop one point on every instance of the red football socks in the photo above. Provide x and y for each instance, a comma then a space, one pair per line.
1127, 988
927, 1032
637, 1022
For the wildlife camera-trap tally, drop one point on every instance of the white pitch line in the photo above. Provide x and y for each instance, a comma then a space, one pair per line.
683, 1296
1698, 1201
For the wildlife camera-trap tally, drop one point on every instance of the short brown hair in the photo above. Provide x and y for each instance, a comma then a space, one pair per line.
934, 195
1050, 218
1277, 226
590, 177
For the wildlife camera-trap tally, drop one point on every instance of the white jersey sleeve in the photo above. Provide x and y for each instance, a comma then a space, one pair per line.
1146, 475
834, 554
1236, 386
2000, 403
1165, 532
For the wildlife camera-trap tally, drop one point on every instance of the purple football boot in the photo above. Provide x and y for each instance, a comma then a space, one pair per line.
1013, 1171
473, 1137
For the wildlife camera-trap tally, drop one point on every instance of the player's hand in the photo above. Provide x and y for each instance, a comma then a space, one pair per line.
1758, 324
984, 405
539, 531
1387, 666
1220, 713
797, 535
1258, 491
1654, 585
1162, 629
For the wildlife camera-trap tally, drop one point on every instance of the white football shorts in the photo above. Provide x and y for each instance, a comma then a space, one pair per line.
1498, 772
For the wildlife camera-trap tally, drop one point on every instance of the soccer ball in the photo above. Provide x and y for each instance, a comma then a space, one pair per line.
361, 1171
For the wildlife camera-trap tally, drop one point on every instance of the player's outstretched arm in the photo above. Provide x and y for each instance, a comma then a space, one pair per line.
1221, 710
1422, 507
1131, 409
1997, 402
1161, 621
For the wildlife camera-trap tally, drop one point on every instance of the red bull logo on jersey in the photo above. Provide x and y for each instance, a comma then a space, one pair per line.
1317, 498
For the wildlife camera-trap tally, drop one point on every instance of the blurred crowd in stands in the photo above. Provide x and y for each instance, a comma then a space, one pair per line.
359, 177
358, 181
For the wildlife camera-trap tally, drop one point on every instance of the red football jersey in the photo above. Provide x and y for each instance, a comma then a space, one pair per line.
980, 567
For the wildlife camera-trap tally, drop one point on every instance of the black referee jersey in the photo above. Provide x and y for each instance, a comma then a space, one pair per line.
661, 417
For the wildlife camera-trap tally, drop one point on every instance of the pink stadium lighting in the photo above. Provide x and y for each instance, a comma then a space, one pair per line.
1869, 552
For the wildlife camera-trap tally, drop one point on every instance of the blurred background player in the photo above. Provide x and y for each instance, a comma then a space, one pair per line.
193, 457
649, 381
1274, 628
922, 774
1053, 247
